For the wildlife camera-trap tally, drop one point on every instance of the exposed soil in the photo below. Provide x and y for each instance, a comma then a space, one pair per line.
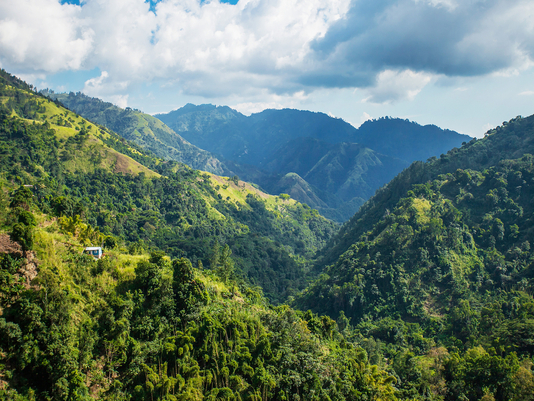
29, 269
8, 246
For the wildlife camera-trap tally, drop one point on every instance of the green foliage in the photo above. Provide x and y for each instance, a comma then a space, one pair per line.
440, 259
169, 331
431, 296
180, 213
22, 198
147, 132
319, 160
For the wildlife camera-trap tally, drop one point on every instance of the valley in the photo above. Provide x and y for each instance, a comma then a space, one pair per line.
224, 275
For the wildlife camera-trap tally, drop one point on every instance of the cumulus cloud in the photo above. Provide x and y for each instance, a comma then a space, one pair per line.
212, 49
43, 36
268, 100
456, 39
112, 90
392, 86
365, 117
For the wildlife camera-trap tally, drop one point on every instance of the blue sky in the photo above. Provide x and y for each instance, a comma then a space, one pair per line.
463, 65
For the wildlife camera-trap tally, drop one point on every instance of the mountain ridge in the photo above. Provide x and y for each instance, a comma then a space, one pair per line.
282, 141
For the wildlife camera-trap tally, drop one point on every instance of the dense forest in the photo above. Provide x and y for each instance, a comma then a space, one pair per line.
139, 324
440, 259
210, 289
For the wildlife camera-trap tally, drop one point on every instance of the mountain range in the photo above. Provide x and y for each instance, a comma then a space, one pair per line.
310, 156
320, 149
426, 293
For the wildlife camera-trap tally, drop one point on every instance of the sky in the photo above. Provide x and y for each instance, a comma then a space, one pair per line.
465, 65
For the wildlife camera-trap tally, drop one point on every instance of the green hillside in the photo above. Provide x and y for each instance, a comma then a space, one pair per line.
185, 212
427, 291
147, 327
441, 257
137, 324
512, 142
407, 140
339, 166
80, 145
341, 175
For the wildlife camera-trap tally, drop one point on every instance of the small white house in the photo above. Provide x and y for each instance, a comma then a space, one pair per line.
94, 251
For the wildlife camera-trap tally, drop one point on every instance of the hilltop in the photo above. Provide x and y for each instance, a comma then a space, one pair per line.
144, 130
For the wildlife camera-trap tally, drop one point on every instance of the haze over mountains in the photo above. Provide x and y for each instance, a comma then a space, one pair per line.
315, 158
322, 161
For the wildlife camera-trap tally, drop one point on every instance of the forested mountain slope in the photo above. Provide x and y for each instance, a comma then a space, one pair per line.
251, 140
264, 147
73, 165
143, 327
136, 325
514, 139
255, 139
444, 250
339, 174
142, 129
433, 302
321, 150
407, 140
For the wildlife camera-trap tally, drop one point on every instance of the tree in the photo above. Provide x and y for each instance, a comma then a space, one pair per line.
22, 198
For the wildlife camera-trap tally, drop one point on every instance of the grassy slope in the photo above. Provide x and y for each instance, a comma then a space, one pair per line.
68, 124
143, 129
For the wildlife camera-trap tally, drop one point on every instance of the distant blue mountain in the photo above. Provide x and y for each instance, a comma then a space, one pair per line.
320, 150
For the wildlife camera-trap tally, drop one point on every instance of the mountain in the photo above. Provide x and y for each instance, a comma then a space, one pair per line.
251, 140
138, 324
255, 139
338, 173
320, 149
344, 170
407, 140
149, 203
265, 147
437, 258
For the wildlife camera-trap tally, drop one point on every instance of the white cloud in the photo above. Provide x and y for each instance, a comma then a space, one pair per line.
206, 49
392, 86
255, 107
106, 89
267, 100
43, 36
119, 100
526, 93
278, 47
93, 83
448, 4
